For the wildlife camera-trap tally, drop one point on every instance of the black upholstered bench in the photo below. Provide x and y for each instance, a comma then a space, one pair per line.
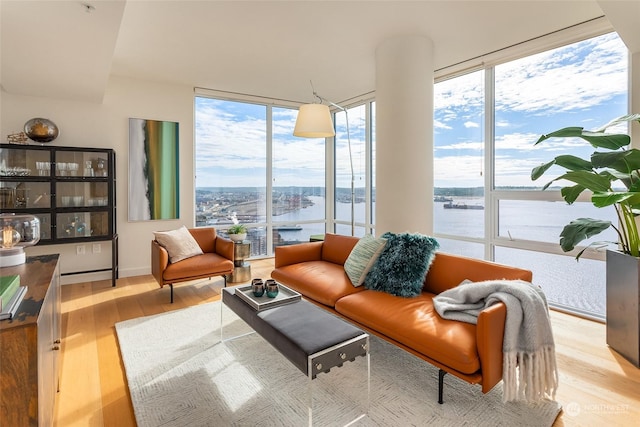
312, 339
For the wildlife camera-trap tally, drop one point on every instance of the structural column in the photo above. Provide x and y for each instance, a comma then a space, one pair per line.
404, 135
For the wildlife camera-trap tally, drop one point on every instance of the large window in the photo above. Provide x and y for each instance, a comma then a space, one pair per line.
459, 163
251, 170
298, 193
581, 84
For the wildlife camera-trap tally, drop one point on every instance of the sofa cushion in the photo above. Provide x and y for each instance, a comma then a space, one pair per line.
336, 247
445, 272
403, 264
362, 258
198, 266
414, 323
180, 244
321, 281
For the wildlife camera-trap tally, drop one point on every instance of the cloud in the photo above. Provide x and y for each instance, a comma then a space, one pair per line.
570, 78
458, 171
231, 147
586, 80
467, 145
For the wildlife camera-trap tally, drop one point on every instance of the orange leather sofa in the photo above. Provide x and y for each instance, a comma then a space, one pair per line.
216, 260
470, 352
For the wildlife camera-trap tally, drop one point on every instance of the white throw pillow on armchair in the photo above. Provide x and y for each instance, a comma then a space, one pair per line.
179, 243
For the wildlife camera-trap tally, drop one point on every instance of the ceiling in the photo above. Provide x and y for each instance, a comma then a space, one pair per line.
69, 49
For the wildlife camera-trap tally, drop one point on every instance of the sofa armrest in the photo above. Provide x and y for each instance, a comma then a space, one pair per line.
225, 248
301, 252
489, 335
159, 261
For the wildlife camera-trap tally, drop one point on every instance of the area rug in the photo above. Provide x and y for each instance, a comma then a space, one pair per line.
180, 374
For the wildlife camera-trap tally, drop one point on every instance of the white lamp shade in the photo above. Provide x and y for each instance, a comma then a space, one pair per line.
314, 121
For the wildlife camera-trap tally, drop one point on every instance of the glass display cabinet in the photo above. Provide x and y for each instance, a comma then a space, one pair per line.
70, 189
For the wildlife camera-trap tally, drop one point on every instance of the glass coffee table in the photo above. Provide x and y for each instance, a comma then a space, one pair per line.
311, 338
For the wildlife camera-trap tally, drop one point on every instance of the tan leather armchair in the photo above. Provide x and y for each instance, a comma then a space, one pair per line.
216, 260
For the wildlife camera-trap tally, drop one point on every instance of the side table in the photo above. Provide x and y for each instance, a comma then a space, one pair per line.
242, 268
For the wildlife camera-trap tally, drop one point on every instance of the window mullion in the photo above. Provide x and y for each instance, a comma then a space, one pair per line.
269, 183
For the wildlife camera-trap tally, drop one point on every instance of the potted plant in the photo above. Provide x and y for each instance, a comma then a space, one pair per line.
237, 232
612, 175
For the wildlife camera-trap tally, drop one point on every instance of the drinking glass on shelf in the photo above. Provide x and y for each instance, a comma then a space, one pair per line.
43, 168
88, 168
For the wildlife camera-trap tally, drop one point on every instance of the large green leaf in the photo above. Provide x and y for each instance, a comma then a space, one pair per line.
635, 186
570, 194
633, 200
596, 139
569, 132
611, 141
627, 118
580, 229
590, 180
602, 200
573, 163
566, 161
538, 171
622, 161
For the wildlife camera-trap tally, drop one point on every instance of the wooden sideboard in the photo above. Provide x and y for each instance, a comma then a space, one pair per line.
30, 346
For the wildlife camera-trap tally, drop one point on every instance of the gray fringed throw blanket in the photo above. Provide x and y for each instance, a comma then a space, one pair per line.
529, 365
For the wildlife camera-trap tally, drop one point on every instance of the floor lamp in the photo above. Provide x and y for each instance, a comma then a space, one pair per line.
314, 121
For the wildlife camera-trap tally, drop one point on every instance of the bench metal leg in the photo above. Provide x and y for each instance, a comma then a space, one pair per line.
441, 375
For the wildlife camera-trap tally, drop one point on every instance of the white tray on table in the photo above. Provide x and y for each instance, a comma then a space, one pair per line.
285, 296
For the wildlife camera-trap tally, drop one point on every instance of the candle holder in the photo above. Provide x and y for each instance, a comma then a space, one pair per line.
257, 287
271, 288
17, 232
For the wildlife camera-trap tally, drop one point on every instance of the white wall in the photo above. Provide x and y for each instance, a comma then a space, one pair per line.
106, 125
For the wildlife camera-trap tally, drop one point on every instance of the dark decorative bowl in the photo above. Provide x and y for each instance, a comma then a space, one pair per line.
41, 130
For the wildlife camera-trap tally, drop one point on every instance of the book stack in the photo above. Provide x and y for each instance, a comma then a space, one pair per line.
11, 295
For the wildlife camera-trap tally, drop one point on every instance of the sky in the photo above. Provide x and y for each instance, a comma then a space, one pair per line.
584, 84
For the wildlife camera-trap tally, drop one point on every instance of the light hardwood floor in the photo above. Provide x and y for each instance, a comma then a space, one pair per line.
597, 386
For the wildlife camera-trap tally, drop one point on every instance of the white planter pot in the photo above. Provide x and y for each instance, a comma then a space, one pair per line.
238, 237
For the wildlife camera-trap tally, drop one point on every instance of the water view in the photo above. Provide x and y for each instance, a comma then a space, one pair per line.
298, 214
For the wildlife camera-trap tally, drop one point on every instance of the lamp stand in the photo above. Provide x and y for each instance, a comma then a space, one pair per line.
353, 177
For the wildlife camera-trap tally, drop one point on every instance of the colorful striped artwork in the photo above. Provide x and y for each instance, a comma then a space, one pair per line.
154, 191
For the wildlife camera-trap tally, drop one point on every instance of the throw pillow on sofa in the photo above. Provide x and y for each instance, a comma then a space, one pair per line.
403, 264
179, 243
362, 257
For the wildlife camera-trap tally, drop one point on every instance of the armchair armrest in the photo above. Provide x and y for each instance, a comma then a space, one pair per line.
301, 252
159, 261
225, 248
490, 334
